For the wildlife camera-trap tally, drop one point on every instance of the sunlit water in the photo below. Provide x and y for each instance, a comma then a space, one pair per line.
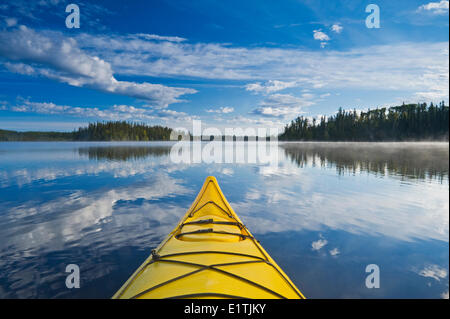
324, 213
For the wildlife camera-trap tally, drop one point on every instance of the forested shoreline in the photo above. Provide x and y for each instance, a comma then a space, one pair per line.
14, 136
408, 122
100, 131
122, 131
399, 123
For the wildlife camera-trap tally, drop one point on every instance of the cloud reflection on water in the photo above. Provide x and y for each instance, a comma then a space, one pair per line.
99, 199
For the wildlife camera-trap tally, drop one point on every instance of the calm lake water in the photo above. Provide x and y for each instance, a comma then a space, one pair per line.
324, 213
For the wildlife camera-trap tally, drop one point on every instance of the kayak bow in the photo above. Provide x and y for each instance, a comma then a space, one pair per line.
209, 254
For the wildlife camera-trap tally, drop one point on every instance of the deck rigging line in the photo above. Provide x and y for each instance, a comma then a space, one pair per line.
163, 258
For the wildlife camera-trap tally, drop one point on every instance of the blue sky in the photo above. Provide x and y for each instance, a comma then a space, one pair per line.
226, 63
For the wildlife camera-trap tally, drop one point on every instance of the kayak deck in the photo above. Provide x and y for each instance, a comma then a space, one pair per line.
209, 254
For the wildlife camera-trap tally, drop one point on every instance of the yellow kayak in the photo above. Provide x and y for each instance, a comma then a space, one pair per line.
209, 254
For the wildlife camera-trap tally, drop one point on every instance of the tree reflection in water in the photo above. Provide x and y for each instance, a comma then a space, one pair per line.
407, 160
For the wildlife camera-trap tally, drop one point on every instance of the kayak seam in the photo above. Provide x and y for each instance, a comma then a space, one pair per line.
181, 276
238, 254
213, 252
200, 195
144, 265
194, 205
210, 202
211, 231
208, 267
212, 221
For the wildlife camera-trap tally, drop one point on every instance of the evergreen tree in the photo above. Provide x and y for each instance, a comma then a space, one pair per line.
405, 122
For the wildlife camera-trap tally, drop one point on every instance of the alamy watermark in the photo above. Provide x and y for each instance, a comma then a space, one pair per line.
373, 279
373, 19
73, 19
233, 145
73, 279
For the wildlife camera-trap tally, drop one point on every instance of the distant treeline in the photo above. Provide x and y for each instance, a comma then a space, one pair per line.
100, 131
398, 123
122, 131
35, 136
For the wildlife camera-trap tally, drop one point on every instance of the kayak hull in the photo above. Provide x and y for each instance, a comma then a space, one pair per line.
209, 254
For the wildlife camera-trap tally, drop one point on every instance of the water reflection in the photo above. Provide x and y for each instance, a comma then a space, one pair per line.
104, 206
123, 153
409, 160
86, 228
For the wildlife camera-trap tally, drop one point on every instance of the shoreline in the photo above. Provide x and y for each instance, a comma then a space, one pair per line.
279, 142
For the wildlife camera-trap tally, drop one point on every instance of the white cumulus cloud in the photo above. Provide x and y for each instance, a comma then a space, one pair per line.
337, 28
114, 113
433, 271
57, 57
221, 109
334, 252
159, 37
436, 7
410, 67
321, 36
417, 69
269, 86
283, 105
318, 244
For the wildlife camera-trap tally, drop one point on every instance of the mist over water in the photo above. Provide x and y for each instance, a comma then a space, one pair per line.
324, 212
420, 160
